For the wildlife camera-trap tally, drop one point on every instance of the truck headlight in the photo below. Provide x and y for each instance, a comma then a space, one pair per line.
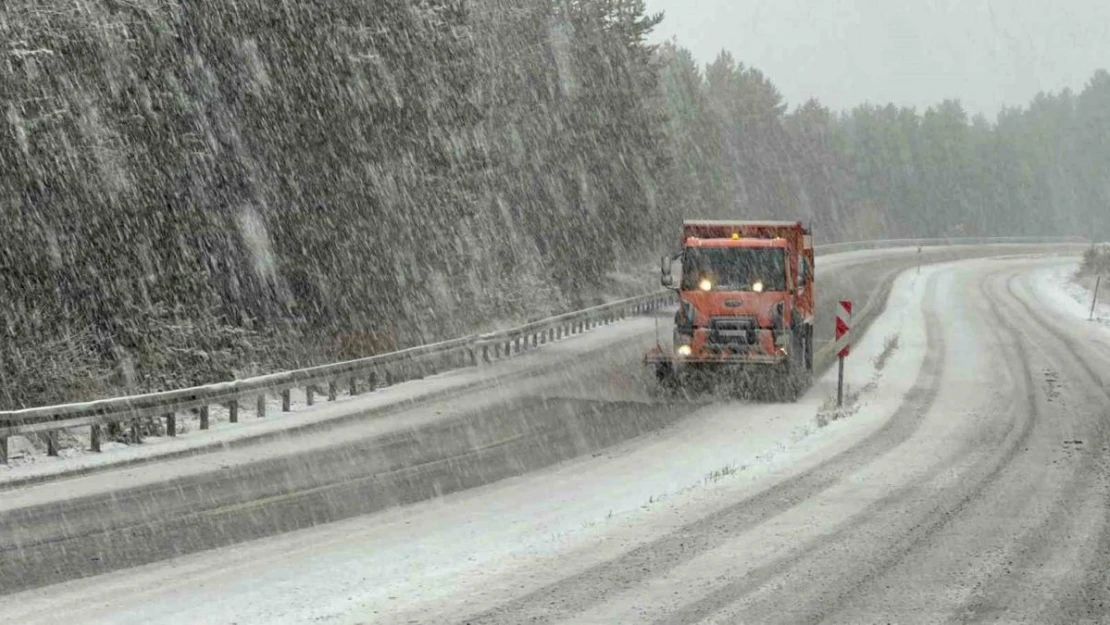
758, 286
685, 350
706, 284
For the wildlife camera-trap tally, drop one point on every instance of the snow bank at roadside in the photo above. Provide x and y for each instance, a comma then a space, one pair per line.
1059, 284
31, 463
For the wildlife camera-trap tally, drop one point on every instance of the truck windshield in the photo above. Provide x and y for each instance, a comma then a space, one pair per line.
734, 268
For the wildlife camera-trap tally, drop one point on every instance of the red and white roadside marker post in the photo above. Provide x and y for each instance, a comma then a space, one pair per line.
843, 344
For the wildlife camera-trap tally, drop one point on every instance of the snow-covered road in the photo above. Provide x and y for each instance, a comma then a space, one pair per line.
969, 481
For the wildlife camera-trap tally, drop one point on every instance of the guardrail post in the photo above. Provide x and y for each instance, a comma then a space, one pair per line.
204, 417
372, 380
233, 411
171, 424
485, 353
286, 401
136, 432
354, 386
333, 390
260, 406
52, 441
310, 394
3, 450
94, 437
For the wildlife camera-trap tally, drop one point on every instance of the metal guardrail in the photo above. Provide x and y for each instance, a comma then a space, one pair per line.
857, 246
364, 374
370, 373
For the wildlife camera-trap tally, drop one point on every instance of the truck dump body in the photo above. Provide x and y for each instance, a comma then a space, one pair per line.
745, 297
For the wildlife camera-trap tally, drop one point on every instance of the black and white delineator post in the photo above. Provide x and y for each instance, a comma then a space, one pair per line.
843, 344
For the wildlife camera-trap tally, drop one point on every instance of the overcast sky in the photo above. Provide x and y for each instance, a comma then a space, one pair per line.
987, 53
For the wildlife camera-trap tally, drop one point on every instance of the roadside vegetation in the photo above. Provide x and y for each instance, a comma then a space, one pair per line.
1096, 262
890, 345
829, 411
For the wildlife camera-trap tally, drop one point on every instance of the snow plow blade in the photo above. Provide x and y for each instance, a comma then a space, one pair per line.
761, 376
758, 359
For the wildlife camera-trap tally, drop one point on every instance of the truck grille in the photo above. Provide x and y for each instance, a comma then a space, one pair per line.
732, 332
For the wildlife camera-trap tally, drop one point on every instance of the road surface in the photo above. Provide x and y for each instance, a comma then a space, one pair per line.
969, 483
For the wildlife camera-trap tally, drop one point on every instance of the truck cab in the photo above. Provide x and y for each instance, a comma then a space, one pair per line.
746, 298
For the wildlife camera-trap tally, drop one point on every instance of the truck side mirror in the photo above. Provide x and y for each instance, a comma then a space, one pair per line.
668, 281
665, 265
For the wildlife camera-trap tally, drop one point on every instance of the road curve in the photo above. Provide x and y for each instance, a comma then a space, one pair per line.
971, 487
983, 498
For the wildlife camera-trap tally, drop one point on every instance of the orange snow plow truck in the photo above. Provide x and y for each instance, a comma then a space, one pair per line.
746, 302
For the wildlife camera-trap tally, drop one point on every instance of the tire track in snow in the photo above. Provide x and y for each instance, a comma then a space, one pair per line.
930, 526
564, 599
816, 576
1080, 594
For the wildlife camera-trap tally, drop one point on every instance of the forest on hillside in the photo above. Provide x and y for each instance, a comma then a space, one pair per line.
197, 191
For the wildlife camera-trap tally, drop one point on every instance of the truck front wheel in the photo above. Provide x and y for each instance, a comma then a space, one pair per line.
799, 368
808, 349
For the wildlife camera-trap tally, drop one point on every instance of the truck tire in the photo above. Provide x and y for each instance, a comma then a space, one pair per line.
666, 380
798, 375
809, 348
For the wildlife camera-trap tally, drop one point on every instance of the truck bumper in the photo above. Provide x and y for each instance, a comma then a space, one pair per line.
660, 357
